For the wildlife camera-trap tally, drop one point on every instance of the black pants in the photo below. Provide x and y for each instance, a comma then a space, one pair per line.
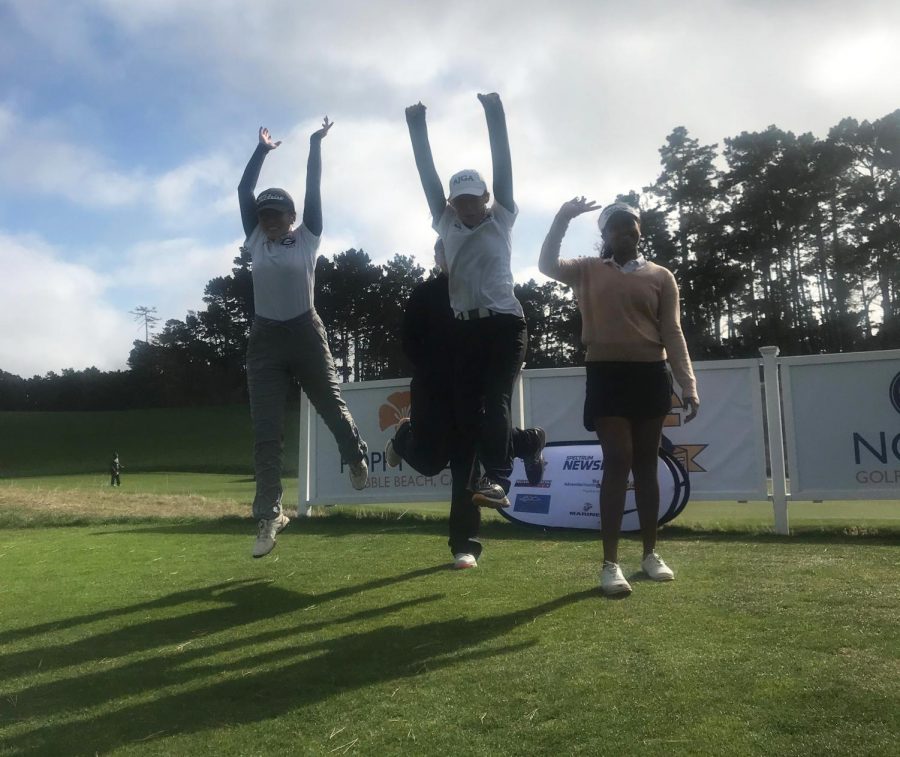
488, 355
428, 442
431, 440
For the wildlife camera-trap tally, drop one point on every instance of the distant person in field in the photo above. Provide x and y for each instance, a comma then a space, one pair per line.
287, 339
631, 325
429, 439
489, 334
115, 469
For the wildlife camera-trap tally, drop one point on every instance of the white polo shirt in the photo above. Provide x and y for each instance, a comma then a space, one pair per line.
479, 261
284, 272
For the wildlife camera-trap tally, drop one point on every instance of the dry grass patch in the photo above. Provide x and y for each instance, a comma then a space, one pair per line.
24, 506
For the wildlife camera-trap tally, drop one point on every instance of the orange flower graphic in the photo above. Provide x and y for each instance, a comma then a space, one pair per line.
394, 410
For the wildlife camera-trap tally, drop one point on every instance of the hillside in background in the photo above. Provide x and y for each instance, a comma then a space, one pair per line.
198, 439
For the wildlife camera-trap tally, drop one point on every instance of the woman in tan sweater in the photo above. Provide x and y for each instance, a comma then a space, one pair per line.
631, 325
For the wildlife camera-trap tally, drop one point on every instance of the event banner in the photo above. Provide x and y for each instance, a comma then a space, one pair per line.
377, 407
569, 494
722, 449
842, 423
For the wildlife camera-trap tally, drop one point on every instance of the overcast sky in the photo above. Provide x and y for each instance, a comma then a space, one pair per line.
125, 126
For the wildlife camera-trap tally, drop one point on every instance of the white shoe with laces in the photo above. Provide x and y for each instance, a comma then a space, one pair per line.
464, 560
612, 581
359, 474
654, 567
267, 530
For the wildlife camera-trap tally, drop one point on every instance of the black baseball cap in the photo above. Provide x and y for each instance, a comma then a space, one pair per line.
276, 199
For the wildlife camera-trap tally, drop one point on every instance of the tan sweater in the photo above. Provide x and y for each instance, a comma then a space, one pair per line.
625, 316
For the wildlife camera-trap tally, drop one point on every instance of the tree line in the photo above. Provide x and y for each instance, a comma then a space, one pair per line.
774, 238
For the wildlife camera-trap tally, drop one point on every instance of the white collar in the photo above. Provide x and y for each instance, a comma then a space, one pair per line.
632, 265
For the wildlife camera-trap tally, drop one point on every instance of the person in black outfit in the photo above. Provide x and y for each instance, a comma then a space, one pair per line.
115, 469
430, 438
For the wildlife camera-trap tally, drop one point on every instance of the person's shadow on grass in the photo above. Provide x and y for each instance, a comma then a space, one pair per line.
261, 685
236, 603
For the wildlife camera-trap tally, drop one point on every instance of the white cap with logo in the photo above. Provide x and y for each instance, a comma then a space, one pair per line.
468, 182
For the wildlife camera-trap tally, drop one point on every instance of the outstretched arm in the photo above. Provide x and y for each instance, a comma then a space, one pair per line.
312, 205
431, 182
502, 162
246, 198
549, 264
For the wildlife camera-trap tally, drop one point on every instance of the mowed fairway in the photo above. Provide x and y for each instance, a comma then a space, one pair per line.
147, 629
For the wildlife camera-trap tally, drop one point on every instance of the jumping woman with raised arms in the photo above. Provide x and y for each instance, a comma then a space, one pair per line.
288, 339
489, 334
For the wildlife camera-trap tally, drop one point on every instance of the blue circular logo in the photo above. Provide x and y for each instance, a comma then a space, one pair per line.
895, 392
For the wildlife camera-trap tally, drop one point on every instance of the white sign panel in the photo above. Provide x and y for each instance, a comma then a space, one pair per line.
722, 449
842, 422
377, 407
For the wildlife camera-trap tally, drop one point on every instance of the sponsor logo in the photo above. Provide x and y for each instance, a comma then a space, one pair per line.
686, 454
673, 418
288, 241
393, 410
532, 503
523, 484
582, 462
879, 447
895, 392
583, 514
271, 196
587, 507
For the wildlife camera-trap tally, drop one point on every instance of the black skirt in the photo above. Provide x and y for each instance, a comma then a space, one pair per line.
627, 390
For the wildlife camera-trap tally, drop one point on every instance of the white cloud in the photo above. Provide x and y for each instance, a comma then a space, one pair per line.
56, 314
195, 191
35, 159
170, 274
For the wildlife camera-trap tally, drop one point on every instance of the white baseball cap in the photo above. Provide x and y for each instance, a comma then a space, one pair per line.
617, 207
467, 182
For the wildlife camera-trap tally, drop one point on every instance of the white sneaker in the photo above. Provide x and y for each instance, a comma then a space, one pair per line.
463, 561
612, 581
654, 567
359, 474
266, 532
391, 456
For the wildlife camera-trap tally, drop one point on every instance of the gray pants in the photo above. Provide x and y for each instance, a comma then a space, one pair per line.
277, 352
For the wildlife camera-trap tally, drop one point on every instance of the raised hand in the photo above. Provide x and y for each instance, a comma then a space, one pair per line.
323, 132
491, 99
265, 139
415, 112
576, 206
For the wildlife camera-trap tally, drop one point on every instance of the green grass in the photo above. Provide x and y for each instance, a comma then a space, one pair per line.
133, 621
353, 637
216, 439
